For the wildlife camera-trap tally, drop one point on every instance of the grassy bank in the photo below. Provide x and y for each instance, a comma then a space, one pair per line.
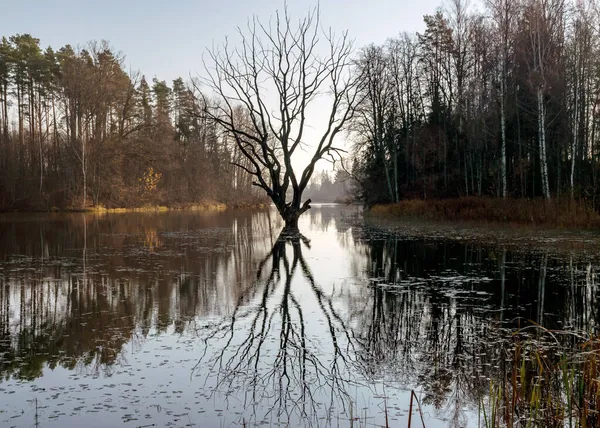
558, 213
200, 206
204, 206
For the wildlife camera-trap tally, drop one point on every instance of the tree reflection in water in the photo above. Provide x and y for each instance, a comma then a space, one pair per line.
269, 350
75, 290
293, 332
445, 320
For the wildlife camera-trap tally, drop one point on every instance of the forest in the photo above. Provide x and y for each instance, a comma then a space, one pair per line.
77, 130
500, 102
498, 99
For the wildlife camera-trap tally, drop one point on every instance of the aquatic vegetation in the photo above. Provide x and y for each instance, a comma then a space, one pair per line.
551, 379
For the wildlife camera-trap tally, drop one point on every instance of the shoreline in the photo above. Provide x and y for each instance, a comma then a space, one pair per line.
537, 213
202, 206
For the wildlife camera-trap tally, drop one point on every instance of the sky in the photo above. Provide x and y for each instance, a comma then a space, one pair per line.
167, 39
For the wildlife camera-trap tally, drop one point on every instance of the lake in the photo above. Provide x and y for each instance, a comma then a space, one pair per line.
211, 319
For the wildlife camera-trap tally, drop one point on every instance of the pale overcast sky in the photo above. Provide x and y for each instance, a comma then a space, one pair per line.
166, 39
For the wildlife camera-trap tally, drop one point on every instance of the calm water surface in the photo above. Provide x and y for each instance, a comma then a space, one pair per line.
210, 319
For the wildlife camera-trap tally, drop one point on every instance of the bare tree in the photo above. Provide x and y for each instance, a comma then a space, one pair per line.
503, 15
277, 73
545, 21
371, 125
579, 60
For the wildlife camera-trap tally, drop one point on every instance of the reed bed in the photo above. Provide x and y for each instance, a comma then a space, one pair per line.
546, 383
558, 212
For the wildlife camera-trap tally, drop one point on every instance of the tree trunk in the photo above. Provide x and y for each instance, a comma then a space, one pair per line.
480, 176
574, 146
542, 142
503, 128
291, 221
41, 165
466, 174
396, 192
523, 177
84, 171
387, 175
84, 186
5, 111
291, 212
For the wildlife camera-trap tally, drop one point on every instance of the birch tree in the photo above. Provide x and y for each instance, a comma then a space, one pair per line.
503, 16
545, 20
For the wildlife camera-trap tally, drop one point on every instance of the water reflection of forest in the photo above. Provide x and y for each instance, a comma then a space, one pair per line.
440, 316
431, 315
74, 289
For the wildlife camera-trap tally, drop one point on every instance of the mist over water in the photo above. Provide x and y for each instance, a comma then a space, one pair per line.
213, 319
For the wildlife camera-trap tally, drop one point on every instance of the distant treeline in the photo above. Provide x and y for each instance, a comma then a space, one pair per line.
500, 102
324, 188
76, 129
